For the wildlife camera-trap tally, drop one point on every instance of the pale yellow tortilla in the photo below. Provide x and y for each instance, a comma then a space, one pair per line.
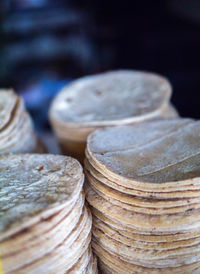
120, 266
160, 243
191, 191
144, 222
152, 155
35, 187
133, 205
111, 98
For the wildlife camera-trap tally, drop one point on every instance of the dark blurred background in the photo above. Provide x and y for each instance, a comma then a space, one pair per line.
46, 43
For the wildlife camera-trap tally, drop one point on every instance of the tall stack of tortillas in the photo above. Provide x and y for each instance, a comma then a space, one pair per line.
143, 185
16, 127
44, 225
108, 99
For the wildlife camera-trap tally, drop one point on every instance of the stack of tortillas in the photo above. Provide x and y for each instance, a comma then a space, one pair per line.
44, 225
16, 127
143, 185
108, 99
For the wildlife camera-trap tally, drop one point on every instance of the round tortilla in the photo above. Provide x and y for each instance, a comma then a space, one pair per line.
154, 156
33, 187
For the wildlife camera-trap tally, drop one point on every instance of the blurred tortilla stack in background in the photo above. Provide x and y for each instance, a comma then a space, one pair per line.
16, 127
109, 99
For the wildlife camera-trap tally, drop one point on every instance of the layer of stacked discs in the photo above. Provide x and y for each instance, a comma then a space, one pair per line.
16, 127
44, 225
108, 99
143, 186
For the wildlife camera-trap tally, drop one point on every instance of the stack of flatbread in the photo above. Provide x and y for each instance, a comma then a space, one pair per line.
143, 185
108, 99
44, 225
16, 127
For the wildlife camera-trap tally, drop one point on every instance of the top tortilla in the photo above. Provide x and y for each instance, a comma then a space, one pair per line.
111, 98
35, 186
165, 151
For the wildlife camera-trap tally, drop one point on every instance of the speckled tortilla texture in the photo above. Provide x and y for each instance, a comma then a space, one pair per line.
145, 235
149, 155
143, 187
189, 191
116, 238
41, 227
159, 257
144, 222
138, 201
114, 264
148, 210
42, 244
157, 263
52, 228
111, 96
67, 236
62, 257
35, 186
145, 240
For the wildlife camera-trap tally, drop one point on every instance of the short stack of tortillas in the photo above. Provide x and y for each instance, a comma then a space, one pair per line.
44, 225
143, 186
16, 127
108, 99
